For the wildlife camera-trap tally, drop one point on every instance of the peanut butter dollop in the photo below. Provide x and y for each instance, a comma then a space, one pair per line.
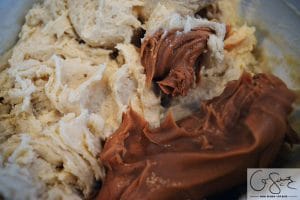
171, 58
204, 153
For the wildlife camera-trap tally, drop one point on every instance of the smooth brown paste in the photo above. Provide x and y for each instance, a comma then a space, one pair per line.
171, 58
204, 153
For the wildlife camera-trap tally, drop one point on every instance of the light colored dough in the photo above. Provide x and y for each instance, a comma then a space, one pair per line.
104, 22
62, 94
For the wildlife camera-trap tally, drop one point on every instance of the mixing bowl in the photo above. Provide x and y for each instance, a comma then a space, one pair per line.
278, 33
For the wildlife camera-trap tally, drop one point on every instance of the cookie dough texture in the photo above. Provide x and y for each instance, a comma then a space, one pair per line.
60, 98
104, 22
62, 93
184, 7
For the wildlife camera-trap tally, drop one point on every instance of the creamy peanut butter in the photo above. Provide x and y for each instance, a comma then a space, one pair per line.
204, 153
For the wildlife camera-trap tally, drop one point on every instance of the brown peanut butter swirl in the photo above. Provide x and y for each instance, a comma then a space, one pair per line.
170, 58
201, 154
